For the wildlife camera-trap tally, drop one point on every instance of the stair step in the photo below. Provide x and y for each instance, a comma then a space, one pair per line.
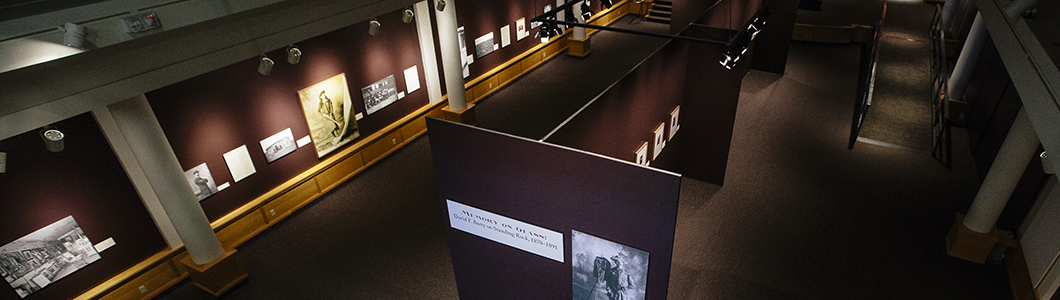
664, 2
662, 7
658, 19
662, 14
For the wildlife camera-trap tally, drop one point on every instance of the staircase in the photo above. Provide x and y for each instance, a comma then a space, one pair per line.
660, 11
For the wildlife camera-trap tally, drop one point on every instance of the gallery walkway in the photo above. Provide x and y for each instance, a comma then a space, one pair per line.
799, 216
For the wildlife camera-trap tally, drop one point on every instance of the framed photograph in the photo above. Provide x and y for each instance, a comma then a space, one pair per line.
464, 61
674, 125
603, 269
34, 261
278, 145
506, 36
201, 181
484, 45
520, 29
660, 140
379, 94
328, 108
642, 154
412, 79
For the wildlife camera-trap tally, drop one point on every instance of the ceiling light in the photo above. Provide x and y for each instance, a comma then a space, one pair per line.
587, 13
74, 35
265, 66
441, 5
373, 27
407, 15
53, 138
293, 55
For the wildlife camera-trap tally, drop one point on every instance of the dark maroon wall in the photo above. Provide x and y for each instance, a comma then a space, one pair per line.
554, 188
772, 44
209, 115
625, 116
85, 181
731, 14
480, 17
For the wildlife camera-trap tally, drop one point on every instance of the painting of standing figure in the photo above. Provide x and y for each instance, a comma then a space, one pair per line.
327, 107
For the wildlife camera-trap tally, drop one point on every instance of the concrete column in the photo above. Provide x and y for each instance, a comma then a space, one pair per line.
430, 62
579, 32
139, 126
948, 10
450, 46
962, 72
1019, 147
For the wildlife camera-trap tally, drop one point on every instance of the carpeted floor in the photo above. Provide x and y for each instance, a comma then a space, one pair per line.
800, 216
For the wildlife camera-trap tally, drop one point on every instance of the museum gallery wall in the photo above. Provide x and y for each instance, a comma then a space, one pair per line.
56, 206
209, 118
480, 18
531, 220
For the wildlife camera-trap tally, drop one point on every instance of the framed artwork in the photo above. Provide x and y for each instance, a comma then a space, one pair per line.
239, 163
484, 45
506, 36
379, 94
520, 29
278, 145
642, 154
674, 125
201, 181
412, 79
660, 140
603, 269
327, 108
35, 260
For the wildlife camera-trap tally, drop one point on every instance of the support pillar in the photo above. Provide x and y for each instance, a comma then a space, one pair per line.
139, 126
458, 110
948, 10
962, 71
974, 235
579, 45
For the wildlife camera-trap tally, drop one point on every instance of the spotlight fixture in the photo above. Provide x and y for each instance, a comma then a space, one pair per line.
53, 138
73, 35
3, 162
547, 30
587, 13
606, 3
373, 27
407, 15
293, 54
1047, 163
265, 66
738, 46
441, 5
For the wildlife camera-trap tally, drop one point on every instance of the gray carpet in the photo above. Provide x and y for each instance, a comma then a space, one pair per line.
800, 216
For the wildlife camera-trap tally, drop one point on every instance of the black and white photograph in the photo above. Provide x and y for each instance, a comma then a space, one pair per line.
484, 45
379, 94
278, 145
327, 107
36, 260
201, 181
463, 51
605, 270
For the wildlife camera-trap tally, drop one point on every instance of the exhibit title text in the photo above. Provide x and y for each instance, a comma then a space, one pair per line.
504, 230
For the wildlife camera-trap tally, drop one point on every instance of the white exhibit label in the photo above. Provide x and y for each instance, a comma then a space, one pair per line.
504, 230
109, 242
223, 186
304, 141
239, 163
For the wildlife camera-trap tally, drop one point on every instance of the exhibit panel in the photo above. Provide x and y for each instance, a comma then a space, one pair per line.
507, 200
345, 86
58, 233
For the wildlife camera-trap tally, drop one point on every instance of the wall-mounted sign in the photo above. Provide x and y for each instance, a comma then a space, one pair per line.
505, 230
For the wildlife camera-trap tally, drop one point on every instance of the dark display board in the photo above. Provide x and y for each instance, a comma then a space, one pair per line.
682, 74
480, 17
211, 114
774, 41
555, 188
85, 181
